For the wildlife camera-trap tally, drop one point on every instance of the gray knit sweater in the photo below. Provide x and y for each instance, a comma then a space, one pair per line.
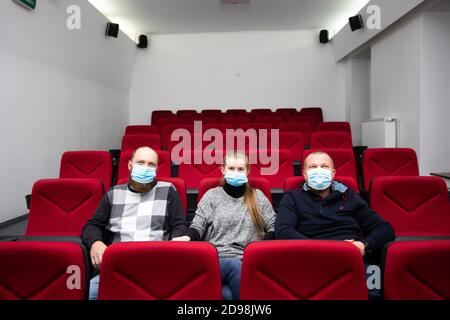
227, 222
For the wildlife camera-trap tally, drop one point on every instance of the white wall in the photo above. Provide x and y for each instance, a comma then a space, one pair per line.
358, 95
235, 70
60, 90
395, 78
435, 113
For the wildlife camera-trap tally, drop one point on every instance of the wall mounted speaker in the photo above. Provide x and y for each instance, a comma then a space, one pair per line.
142, 41
356, 22
112, 30
324, 36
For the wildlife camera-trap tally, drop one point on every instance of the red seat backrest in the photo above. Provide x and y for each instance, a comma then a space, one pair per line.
300, 127
335, 126
415, 206
159, 114
41, 271
281, 172
140, 129
314, 111
388, 162
331, 139
162, 270
295, 270
192, 173
135, 141
61, 207
87, 164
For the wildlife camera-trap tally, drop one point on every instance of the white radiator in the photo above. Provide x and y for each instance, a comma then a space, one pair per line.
380, 133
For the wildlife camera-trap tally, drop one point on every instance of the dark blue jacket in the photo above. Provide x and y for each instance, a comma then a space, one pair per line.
343, 215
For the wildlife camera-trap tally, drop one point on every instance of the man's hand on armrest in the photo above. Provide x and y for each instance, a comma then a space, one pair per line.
97, 250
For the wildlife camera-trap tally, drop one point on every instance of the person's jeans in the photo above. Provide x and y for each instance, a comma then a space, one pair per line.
230, 270
93, 288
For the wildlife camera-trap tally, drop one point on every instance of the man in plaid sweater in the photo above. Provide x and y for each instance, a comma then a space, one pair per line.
144, 209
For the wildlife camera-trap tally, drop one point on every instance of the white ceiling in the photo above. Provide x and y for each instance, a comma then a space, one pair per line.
197, 16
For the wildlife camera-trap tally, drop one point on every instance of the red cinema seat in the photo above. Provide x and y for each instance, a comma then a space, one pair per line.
61, 207
235, 121
256, 126
417, 270
299, 127
192, 173
168, 130
415, 206
257, 183
260, 112
164, 165
274, 120
179, 185
159, 114
388, 162
297, 270
160, 270
216, 113
87, 164
199, 117
344, 161
294, 183
135, 141
237, 113
276, 173
335, 126
222, 127
162, 121
287, 110
140, 129
331, 139
300, 118
186, 113
293, 142
42, 271
315, 112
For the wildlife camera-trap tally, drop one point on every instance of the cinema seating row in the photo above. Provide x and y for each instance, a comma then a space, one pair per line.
272, 270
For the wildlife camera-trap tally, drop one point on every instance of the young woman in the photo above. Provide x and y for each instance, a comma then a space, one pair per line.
230, 217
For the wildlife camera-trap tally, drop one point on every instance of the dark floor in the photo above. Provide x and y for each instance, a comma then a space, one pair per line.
13, 228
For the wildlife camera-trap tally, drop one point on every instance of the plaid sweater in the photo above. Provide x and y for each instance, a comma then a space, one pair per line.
126, 216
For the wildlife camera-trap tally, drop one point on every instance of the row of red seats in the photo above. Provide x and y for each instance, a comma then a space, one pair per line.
316, 114
415, 206
376, 162
271, 270
292, 138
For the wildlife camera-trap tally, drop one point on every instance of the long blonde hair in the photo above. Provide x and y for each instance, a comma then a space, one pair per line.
249, 195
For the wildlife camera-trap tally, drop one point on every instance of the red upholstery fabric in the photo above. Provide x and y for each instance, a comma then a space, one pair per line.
296, 118
39, 271
256, 125
237, 112
213, 113
415, 206
257, 183
61, 207
164, 164
236, 121
87, 164
303, 270
331, 139
199, 117
344, 161
281, 173
159, 114
140, 129
297, 183
418, 270
272, 119
160, 271
286, 111
162, 121
388, 162
134, 141
193, 173
299, 127
186, 113
260, 112
335, 126
293, 142
168, 129
315, 111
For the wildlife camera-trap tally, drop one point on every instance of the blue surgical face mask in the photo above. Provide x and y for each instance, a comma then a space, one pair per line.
236, 179
143, 174
319, 179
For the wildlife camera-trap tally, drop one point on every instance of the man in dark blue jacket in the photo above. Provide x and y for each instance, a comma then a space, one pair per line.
327, 210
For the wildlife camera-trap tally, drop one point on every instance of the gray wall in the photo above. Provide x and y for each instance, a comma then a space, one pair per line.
60, 90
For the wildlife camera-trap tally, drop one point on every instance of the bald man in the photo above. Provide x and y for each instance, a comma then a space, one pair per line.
144, 209
325, 209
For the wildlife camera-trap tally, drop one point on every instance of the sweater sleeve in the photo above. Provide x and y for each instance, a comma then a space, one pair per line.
202, 218
287, 220
267, 212
177, 219
95, 228
376, 230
